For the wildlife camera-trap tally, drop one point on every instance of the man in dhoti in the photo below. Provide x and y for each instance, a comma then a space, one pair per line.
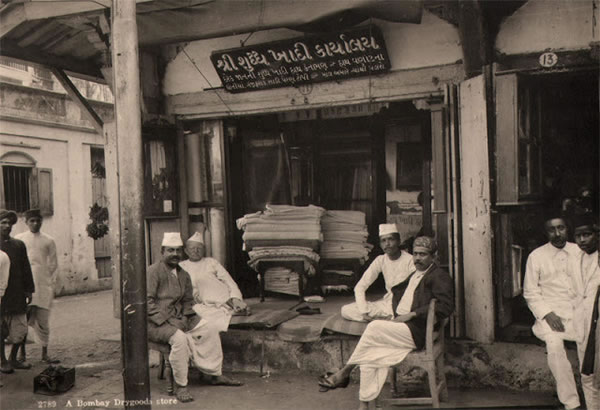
41, 251
170, 314
20, 287
217, 297
587, 282
551, 294
385, 343
395, 265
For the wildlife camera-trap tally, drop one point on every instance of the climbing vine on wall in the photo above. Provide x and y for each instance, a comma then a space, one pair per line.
99, 225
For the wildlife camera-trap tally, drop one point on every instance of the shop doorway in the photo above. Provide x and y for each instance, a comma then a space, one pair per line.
556, 158
372, 159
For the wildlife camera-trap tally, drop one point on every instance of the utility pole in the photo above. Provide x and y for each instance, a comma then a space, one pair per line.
126, 80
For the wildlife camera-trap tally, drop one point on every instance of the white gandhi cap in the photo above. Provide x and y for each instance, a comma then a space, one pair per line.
196, 237
172, 240
386, 229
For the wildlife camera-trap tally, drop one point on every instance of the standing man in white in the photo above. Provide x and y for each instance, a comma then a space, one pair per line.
551, 294
587, 279
41, 251
216, 298
395, 265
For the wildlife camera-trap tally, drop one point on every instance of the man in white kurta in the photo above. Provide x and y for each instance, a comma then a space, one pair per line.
385, 343
551, 294
395, 265
587, 280
41, 250
217, 297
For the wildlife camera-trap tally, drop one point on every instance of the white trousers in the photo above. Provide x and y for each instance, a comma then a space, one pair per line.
39, 320
180, 357
381, 309
561, 367
383, 344
206, 349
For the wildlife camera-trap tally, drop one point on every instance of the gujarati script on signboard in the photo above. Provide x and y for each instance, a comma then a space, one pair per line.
304, 60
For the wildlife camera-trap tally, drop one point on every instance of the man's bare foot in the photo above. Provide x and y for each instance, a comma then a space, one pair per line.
182, 394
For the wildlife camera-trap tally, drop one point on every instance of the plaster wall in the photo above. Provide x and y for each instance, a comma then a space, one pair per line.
549, 24
431, 43
66, 152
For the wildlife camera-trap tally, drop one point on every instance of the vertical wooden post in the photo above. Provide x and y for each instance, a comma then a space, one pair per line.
134, 344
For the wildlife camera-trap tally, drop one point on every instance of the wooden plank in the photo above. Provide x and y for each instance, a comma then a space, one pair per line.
401, 84
531, 61
476, 212
11, 17
86, 109
128, 119
438, 154
507, 184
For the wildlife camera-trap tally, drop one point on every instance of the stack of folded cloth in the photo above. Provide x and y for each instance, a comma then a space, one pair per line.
283, 232
345, 235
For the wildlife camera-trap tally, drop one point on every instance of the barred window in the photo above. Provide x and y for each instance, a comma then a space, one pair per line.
16, 187
23, 186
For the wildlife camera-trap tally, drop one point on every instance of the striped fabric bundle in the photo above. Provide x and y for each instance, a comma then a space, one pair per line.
282, 234
345, 235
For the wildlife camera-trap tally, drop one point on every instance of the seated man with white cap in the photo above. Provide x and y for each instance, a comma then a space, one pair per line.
395, 265
385, 343
217, 297
170, 313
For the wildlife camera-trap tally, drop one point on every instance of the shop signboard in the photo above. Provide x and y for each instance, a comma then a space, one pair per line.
303, 60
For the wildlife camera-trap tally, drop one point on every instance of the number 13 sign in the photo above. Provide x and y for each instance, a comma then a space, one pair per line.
548, 60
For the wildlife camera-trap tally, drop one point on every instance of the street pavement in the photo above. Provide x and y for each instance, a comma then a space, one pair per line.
82, 327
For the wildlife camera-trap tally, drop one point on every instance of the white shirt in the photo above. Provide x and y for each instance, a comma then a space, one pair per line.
211, 282
405, 304
549, 284
41, 251
4, 272
394, 272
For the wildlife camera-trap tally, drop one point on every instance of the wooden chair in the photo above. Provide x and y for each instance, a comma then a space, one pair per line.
164, 350
431, 359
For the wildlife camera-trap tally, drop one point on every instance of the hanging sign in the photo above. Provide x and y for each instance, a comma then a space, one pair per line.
303, 60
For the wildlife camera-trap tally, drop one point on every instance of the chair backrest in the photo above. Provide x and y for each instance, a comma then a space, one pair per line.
433, 337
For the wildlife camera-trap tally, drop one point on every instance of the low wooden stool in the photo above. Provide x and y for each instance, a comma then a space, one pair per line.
164, 350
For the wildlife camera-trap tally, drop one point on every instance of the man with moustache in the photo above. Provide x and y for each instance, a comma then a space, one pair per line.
395, 265
551, 292
16, 296
170, 313
385, 343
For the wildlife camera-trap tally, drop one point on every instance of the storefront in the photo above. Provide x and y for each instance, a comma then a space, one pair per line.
547, 140
382, 143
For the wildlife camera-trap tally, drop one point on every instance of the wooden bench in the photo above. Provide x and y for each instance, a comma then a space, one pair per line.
164, 349
431, 359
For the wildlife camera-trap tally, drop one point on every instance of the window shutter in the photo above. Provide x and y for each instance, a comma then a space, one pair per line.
45, 197
34, 198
